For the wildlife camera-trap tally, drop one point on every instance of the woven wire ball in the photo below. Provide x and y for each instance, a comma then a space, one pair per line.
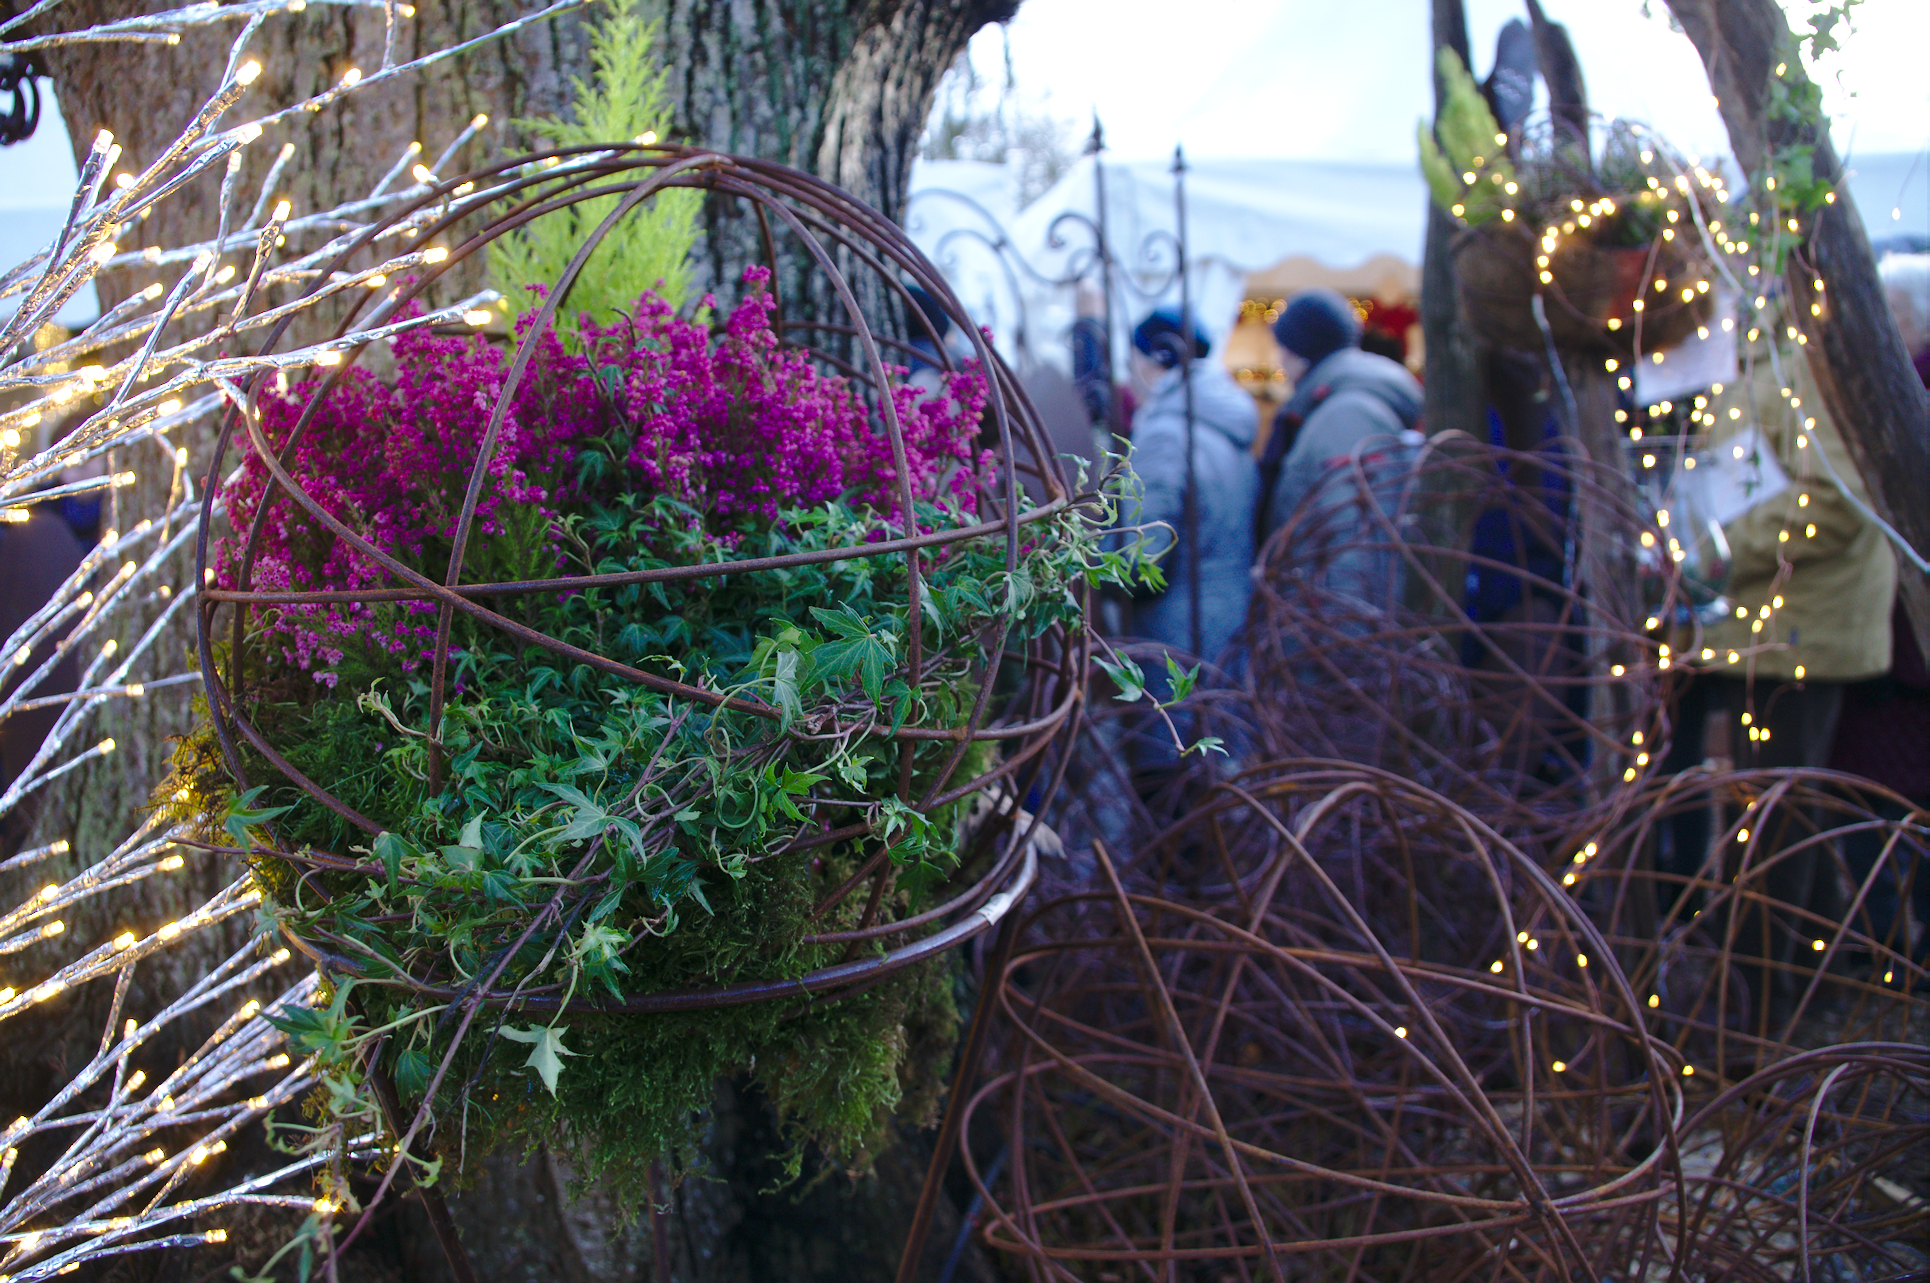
901, 630
1329, 1023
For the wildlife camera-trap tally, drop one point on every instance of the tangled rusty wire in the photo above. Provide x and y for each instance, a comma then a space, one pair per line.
1451, 984
1331, 1025
852, 272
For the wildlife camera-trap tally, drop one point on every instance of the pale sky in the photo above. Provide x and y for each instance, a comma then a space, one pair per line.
1347, 79
1327, 79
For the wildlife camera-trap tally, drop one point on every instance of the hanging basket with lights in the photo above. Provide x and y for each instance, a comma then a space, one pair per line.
1613, 245
653, 692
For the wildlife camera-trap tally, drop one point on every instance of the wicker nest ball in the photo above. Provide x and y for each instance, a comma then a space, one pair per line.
1330, 1023
1625, 301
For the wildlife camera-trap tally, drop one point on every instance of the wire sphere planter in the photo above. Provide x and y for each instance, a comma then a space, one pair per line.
841, 276
1328, 1025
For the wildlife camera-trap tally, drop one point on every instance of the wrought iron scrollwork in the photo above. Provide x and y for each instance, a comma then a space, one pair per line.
21, 115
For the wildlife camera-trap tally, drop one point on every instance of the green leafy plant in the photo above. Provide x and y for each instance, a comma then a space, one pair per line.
626, 101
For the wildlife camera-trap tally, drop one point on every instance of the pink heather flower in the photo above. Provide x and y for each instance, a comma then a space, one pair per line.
734, 424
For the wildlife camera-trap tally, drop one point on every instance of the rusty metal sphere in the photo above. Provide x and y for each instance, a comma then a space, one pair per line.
849, 273
1331, 1025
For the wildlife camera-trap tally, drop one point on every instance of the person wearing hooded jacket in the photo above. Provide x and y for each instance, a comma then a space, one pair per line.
1347, 404
1227, 485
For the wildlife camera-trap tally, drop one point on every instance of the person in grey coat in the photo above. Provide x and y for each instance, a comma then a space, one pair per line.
1227, 485
1347, 405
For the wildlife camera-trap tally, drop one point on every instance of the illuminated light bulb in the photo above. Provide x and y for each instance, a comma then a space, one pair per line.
215, 1236
1621, 416
328, 358
1614, 322
435, 254
1628, 776
1584, 220
422, 174
1799, 672
124, 941
1616, 670
481, 119
1648, 540
478, 317
1521, 937
1581, 959
1611, 365
101, 253
156, 1156
49, 892
1641, 759
280, 956
1742, 835
170, 864
247, 73
277, 1061
1495, 966
52, 929
1817, 945
1638, 305
1467, 177
1702, 331
1707, 653
169, 931
282, 210
1688, 294
1663, 650
124, 479
1568, 879
106, 746
1782, 536
1547, 278
1560, 1066
352, 76
1688, 1071
377, 281
61, 846
1459, 210
1624, 383
7, 995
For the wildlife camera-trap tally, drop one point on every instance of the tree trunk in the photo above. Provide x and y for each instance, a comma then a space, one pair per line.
838, 87
1457, 393
1855, 351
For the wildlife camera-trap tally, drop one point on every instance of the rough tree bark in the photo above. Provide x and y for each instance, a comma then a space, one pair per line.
1457, 390
1855, 351
838, 87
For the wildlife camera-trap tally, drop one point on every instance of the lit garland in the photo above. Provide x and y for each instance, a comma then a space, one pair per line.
113, 1188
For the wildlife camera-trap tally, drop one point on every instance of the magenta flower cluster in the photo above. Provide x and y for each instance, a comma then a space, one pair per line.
736, 425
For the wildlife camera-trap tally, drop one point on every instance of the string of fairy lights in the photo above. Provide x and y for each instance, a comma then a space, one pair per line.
1740, 241
117, 1160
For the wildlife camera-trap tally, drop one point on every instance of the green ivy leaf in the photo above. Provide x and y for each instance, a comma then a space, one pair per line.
546, 1051
1126, 675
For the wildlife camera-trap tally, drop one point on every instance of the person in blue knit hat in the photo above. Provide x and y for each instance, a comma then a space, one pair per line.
1226, 479
1346, 405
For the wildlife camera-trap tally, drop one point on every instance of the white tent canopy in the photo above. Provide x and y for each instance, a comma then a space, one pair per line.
1243, 217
